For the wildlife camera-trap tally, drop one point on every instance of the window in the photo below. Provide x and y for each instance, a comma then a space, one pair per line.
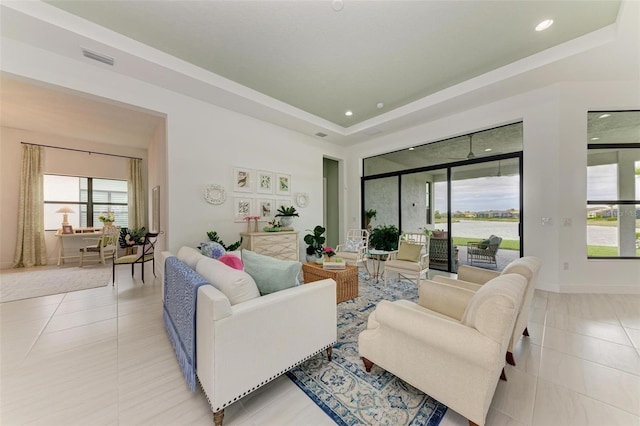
87, 197
613, 185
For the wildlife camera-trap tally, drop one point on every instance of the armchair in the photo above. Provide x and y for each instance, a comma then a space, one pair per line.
412, 258
355, 247
472, 278
105, 245
484, 251
450, 344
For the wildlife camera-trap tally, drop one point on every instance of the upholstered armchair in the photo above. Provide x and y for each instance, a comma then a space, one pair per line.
355, 247
412, 258
472, 278
450, 344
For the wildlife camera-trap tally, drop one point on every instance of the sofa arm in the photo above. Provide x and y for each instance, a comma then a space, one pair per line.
475, 275
444, 299
212, 303
458, 283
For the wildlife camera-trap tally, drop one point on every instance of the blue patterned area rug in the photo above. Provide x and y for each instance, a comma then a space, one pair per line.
342, 387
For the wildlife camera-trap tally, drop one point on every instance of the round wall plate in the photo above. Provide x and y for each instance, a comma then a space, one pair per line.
215, 194
302, 199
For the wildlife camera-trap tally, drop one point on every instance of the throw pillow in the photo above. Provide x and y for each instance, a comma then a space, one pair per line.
232, 261
353, 246
189, 255
271, 274
409, 251
484, 244
212, 249
238, 286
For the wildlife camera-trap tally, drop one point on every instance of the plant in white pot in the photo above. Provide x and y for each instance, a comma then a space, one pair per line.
286, 215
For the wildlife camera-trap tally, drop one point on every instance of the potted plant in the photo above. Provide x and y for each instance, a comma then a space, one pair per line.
369, 215
384, 237
107, 218
286, 214
315, 243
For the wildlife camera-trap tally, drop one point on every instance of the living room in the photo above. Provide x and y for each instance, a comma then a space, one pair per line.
197, 143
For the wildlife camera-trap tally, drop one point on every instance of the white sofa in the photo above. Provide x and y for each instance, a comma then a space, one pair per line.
244, 345
450, 344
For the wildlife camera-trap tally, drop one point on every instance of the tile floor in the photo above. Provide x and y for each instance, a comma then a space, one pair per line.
102, 357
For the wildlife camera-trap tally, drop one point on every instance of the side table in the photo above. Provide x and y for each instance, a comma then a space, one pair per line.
346, 279
377, 257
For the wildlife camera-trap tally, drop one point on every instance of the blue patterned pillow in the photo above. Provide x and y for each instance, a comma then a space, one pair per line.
212, 249
353, 246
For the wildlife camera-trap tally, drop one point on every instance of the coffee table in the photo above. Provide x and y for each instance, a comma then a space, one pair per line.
346, 279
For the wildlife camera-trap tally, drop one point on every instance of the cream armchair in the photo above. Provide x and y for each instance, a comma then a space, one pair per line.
355, 247
412, 258
450, 344
472, 278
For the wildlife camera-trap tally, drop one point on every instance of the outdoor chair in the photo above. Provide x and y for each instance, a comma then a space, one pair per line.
144, 253
102, 247
484, 251
355, 247
411, 260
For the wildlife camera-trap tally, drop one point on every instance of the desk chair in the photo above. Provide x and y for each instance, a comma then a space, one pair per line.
145, 253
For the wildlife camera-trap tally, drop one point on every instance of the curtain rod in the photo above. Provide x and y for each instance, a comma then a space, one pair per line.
81, 150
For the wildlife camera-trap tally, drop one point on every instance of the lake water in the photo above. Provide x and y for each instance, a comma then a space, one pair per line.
596, 235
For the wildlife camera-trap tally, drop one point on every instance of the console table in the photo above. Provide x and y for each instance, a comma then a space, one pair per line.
280, 245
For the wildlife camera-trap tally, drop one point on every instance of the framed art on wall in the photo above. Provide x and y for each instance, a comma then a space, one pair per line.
283, 184
241, 179
264, 182
243, 207
266, 209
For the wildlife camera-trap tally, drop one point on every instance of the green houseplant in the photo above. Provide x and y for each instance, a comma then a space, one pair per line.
315, 241
369, 215
213, 236
384, 237
286, 215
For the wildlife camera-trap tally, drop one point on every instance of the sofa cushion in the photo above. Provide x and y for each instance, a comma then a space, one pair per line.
409, 251
271, 274
189, 255
212, 249
237, 285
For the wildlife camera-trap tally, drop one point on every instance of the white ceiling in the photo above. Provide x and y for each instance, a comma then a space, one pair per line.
300, 64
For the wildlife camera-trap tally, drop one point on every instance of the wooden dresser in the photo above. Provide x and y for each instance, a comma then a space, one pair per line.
280, 245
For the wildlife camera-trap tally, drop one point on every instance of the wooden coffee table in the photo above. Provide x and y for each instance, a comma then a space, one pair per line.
346, 279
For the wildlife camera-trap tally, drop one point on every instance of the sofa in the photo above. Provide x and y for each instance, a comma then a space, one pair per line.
244, 339
450, 344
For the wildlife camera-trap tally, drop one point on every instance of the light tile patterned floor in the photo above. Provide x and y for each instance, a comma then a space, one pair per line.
102, 357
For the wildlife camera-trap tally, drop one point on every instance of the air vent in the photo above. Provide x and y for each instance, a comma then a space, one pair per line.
98, 57
321, 135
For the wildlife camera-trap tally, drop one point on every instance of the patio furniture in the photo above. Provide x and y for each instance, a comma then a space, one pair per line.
484, 251
354, 249
411, 260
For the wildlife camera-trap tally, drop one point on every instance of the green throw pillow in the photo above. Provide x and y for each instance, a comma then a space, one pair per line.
270, 274
484, 244
409, 251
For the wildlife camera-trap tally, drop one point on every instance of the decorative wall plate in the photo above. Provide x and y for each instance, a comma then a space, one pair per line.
302, 199
215, 194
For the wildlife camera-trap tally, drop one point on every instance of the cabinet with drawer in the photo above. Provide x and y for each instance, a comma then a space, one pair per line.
280, 245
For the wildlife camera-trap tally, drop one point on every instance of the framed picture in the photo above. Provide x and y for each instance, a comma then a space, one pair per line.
67, 229
243, 207
283, 184
241, 179
283, 202
266, 209
264, 182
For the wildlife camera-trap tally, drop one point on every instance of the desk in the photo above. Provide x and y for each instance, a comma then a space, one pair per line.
377, 256
73, 239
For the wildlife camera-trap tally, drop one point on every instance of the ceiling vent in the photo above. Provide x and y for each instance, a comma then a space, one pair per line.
98, 57
321, 135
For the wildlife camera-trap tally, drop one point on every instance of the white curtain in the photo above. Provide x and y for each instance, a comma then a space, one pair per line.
30, 246
137, 195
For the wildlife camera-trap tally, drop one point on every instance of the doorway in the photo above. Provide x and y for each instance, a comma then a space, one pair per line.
331, 198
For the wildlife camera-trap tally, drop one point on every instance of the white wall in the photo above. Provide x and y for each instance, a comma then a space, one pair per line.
56, 162
555, 159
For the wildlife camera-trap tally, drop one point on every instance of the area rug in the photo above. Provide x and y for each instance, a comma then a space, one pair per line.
345, 391
25, 283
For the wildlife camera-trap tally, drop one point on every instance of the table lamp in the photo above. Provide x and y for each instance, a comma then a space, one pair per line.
65, 210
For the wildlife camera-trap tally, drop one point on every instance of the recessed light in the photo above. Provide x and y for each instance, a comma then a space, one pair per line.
348, 113
605, 116
411, 149
380, 105
488, 150
544, 25
595, 139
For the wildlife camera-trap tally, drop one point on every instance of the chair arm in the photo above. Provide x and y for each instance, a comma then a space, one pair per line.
458, 283
440, 334
424, 260
340, 247
475, 275
444, 299
393, 254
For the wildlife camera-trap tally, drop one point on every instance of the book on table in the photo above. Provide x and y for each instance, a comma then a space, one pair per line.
333, 265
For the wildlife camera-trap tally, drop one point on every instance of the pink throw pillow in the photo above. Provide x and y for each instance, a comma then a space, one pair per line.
232, 261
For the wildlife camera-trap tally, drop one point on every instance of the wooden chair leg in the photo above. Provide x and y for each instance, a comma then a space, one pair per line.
132, 270
472, 423
329, 353
217, 417
503, 376
525, 332
510, 358
367, 364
